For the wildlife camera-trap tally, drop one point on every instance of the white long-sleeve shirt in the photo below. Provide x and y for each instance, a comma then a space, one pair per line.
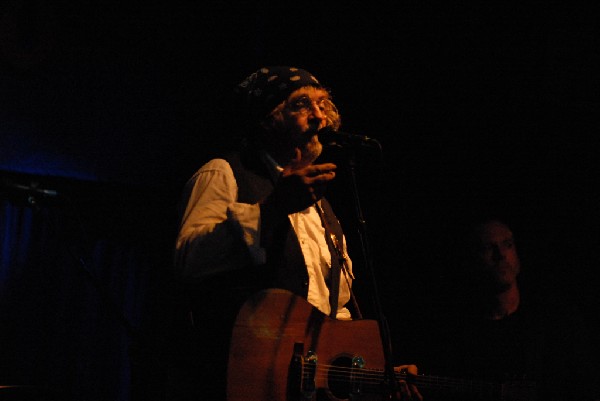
214, 222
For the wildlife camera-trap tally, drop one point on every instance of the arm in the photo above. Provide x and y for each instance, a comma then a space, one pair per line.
216, 232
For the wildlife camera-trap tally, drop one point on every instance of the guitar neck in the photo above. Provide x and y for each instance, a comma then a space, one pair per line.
485, 390
480, 389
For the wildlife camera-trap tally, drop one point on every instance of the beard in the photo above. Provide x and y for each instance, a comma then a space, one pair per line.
284, 143
310, 150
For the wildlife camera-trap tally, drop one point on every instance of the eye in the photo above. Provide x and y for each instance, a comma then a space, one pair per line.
300, 104
509, 243
324, 104
305, 103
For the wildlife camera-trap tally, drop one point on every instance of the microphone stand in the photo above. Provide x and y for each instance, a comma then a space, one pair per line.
389, 376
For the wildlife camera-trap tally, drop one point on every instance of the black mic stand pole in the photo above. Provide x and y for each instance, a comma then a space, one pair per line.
389, 376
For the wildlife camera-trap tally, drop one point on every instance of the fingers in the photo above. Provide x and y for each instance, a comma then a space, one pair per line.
298, 188
321, 178
415, 394
408, 390
320, 168
410, 369
319, 173
316, 178
316, 173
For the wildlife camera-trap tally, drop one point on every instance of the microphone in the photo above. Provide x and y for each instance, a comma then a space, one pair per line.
330, 137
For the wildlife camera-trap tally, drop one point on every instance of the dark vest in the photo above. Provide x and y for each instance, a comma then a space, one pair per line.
285, 267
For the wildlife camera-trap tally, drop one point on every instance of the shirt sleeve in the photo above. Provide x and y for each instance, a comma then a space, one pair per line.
216, 232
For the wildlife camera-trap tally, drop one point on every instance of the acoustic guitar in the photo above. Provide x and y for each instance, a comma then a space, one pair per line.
284, 349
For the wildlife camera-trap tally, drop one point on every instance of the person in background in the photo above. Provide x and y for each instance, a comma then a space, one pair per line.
257, 218
492, 328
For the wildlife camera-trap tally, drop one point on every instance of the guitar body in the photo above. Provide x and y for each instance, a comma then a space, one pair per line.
284, 349
274, 328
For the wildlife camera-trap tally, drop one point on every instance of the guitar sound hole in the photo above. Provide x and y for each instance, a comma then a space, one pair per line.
338, 378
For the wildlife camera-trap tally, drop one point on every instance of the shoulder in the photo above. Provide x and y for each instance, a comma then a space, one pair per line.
217, 164
213, 167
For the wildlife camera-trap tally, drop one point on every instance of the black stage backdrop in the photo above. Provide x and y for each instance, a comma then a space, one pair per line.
106, 108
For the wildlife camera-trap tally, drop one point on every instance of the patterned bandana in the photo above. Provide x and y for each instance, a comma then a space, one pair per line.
264, 89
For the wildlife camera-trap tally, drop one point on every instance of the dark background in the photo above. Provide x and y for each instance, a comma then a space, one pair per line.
114, 104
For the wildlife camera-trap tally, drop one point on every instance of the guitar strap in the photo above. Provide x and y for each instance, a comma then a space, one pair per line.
334, 283
337, 255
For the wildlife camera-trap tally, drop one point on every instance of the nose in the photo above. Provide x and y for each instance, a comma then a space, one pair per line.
316, 111
499, 253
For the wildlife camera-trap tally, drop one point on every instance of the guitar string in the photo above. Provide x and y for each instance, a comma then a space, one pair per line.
375, 377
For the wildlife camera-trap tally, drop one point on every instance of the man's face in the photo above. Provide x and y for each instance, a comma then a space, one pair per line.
497, 253
295, 124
